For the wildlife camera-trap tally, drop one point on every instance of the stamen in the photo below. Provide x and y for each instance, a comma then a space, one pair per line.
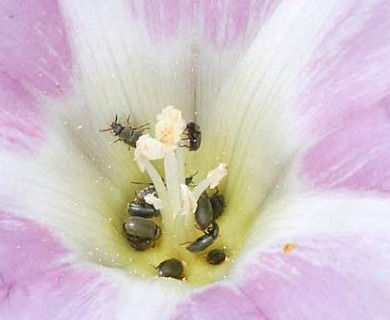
186, 219
173, 210
147, 148
157, 182
176, 201
214, 177
188, 200
217, 175
154, 201
169, 127
173, 183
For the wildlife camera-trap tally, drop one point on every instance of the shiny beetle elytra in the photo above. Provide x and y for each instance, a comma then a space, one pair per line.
217, 204
171, 268
203, 212
140, 244
127, 134
140, 208
145, 211
142, 228
216, 256
206, 240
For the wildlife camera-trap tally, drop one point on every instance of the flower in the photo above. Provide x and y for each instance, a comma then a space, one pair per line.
292, 95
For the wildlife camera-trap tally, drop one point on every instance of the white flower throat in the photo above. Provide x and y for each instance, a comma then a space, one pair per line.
175, 197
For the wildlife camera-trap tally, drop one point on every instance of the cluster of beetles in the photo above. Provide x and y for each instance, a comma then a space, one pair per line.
140, 228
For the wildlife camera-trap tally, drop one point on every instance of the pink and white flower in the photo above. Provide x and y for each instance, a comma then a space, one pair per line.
292, 95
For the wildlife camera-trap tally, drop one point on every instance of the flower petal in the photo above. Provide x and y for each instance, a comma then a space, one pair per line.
21, 118
331, 278
35, 60
307, 255
354, 154
345, 103
119, 70
31, 272
222, 23
34, 47
36, 268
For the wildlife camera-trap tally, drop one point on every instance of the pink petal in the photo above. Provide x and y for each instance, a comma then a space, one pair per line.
35, 60
36, 284
346, 102
39, 279
221, 23
340, 278
21, 119
34, 47
355, 154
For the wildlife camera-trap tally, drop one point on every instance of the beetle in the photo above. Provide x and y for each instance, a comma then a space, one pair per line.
217, 204
144, 192
140, 208
140, 244
171, 268
127, 134
206, 240
194, 136
216, 256
203, 212
142, 228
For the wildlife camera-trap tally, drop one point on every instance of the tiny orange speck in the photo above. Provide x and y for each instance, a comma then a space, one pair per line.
289, 247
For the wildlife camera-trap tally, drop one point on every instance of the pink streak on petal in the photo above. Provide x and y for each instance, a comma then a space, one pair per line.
223, 23
35, 284
355, 154
333, 279
33, 45
230, 22
348, 68
218, 302
328, 279
21, 120
345, 102
162, 17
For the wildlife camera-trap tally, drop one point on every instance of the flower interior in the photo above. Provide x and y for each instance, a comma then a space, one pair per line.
170, 215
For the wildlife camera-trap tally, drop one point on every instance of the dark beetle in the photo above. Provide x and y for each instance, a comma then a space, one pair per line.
194, 136
127, 134
206, 240
204, 212
171, 268
216, 256
145, 211
142, 228
140, 244
144, 192
217, 204
140, 208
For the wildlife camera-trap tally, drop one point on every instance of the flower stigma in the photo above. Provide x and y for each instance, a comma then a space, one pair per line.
174, 219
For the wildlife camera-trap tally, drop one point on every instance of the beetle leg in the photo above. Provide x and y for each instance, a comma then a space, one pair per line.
142, 127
